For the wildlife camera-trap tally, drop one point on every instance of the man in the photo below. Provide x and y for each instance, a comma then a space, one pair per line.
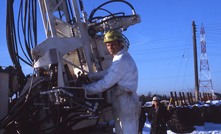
122, 79
158, 116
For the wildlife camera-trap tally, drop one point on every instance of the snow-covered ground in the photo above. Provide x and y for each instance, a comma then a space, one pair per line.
208, 128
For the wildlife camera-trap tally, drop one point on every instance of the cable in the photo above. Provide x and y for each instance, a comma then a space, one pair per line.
22, 37
91, 16
126, 41
12, 42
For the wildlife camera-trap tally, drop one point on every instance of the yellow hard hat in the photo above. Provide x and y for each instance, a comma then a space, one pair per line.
113, 35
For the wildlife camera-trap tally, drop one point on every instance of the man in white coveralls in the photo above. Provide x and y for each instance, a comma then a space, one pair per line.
122, 79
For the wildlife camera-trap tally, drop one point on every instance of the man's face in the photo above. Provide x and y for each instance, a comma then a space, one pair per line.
156, 103
114, 47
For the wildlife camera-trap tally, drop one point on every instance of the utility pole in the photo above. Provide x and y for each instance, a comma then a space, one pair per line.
195, 62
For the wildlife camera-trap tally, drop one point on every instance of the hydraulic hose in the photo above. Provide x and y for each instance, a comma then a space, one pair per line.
99, 7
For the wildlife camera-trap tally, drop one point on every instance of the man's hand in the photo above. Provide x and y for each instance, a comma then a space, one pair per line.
82, 79
85, 78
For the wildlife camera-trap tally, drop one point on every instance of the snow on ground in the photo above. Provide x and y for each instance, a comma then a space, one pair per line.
208, 128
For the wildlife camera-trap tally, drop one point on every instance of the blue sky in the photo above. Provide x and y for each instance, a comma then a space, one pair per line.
162, 43
163, 47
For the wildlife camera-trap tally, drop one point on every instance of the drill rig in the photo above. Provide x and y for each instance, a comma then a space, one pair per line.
52, 100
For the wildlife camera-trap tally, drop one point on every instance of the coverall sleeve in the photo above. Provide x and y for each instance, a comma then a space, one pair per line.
97, 76
113, 75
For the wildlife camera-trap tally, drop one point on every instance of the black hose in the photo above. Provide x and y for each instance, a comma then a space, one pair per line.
99, 7
12, 42
22, 37
20, 15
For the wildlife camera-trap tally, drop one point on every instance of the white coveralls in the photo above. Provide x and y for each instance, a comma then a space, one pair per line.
125, 102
